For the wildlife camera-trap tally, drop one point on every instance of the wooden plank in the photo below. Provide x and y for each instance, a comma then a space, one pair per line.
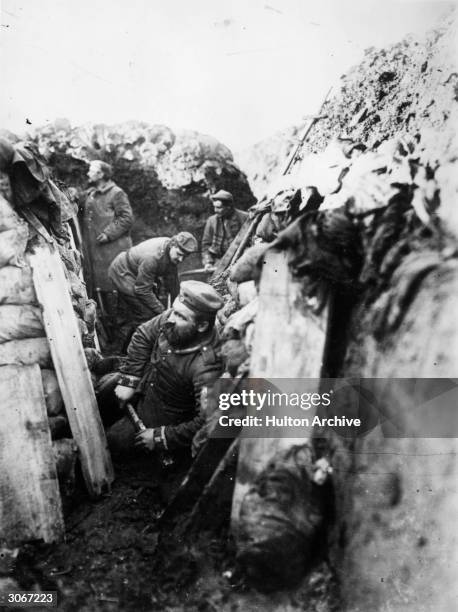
226, 259
30, 504
289, 343
71, 368
212, 509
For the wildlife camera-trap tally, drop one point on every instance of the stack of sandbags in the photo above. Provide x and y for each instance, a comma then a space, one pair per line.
22, 336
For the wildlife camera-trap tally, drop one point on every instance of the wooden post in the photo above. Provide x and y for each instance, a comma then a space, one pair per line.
289, 343
71, 368
30, 504
243, 235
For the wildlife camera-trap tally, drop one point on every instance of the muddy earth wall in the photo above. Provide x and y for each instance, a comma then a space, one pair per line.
393, 544
168, 175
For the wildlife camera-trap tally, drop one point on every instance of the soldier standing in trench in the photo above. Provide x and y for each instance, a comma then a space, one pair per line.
170, 359
106, 222
221, 228
146, 278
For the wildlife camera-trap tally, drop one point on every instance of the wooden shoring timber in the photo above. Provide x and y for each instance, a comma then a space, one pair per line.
30, 503
236, 246
197, 477
212, 508
71, 368
289, 342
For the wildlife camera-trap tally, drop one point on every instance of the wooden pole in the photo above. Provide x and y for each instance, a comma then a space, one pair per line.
71, 368
289, 343
30, 504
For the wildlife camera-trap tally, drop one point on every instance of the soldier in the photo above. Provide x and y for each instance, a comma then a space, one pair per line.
169, 361
221, 228
107, 219
272, 222
145, 277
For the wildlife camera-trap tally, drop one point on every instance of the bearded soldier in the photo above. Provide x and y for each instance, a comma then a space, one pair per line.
170, 359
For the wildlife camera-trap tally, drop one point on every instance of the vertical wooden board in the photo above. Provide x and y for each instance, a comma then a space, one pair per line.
233, 247
71, 368
30, 504
289, 343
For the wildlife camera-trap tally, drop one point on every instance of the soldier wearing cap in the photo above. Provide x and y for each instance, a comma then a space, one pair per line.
170, 359
145, 276
272, 222
221, 228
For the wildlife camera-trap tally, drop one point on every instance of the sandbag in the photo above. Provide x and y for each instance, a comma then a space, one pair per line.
78, 293
26, 352
16, 286
9, 219
82, 327
77, 286
20, 321
70, 258
249, 266
65, 452
281, 519
90, 315
53, 396
58, 426
13, 243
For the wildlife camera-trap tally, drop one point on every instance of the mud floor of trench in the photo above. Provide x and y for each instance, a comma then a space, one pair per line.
116, 557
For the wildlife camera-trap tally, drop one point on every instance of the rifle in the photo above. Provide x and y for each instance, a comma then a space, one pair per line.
246, 231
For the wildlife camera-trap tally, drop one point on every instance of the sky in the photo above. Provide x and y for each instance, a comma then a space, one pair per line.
239, 70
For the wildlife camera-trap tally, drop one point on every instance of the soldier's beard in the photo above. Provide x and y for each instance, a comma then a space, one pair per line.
180, 338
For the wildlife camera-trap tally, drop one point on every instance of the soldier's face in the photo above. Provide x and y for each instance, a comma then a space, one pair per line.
181, 327
222, 210
94, 173
177, 255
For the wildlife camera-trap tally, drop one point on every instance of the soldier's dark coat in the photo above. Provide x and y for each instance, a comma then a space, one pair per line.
170, 385
147, 274
218, 234
106, 210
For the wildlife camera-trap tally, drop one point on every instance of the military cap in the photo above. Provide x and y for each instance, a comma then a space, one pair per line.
222, 196
200, 297
186, 242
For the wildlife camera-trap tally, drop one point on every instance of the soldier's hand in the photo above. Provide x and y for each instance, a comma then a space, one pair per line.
145, 439
124, 393
209, 267
102, 238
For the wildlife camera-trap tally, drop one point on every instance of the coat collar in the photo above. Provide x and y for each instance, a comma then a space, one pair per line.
163, 343
103, 189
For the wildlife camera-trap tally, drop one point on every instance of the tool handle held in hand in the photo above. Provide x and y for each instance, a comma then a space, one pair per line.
134, 418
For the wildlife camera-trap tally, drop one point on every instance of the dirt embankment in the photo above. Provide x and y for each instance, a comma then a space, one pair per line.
168, 175
393, 544
408, 88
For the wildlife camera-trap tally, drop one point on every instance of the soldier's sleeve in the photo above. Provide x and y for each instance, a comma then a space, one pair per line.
123, 217
207, 240
146, 285
208, 369
140, 347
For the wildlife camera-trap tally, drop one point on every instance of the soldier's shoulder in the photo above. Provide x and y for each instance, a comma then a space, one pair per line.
212, 219
155, 324
116, 189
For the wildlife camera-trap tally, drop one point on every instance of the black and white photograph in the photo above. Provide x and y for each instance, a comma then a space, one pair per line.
228, 305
